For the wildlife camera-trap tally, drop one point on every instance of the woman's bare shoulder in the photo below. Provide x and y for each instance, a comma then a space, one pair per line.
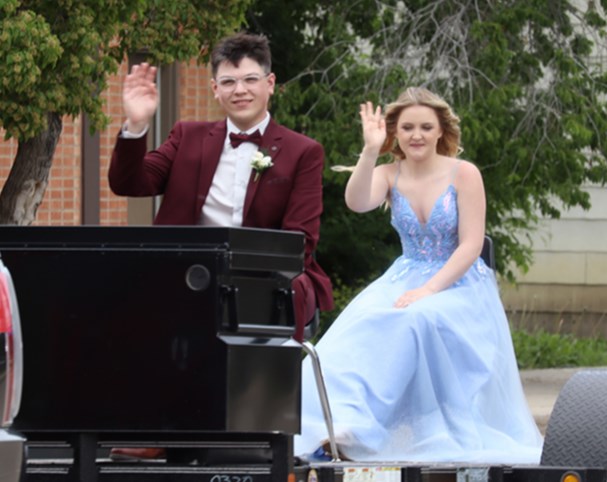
388, 168
467, 175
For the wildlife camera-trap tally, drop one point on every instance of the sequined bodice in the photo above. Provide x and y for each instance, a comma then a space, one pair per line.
433, 241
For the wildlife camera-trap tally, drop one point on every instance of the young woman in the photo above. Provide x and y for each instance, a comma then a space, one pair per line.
420, 365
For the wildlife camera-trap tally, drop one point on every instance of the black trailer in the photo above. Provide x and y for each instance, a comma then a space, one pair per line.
180, 337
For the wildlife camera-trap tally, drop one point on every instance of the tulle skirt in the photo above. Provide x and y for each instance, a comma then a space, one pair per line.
434, 382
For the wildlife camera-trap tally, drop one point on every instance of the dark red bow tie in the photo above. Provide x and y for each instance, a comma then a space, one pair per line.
237, 139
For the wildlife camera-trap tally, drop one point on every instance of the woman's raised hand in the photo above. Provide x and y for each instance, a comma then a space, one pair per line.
140, 96
374, 126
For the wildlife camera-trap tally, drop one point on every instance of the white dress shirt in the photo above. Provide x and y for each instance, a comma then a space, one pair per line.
225, 201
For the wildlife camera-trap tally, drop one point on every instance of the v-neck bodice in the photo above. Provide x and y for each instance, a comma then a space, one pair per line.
433, 241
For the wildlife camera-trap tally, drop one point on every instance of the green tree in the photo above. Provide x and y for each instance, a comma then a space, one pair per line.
523, 75
55, 58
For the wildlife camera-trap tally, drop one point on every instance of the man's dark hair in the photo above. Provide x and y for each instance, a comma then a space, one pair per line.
234, 48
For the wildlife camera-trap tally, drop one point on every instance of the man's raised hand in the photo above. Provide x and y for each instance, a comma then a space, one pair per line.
140, 97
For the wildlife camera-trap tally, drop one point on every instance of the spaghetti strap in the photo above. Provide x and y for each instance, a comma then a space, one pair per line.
454, 171
397, 173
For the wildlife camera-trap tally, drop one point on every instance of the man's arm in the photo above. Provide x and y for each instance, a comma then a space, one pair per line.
130, 174
135, 172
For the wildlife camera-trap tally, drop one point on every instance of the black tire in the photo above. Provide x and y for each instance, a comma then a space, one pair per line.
576, 435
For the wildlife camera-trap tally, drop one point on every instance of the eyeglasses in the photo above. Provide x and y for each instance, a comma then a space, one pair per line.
249, 81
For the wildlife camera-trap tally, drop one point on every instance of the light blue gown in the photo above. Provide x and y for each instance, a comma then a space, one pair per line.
434, 382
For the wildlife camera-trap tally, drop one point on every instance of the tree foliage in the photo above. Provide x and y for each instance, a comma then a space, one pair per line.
526, 77
55, 59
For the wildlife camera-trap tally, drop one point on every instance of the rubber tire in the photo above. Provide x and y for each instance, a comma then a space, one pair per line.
576, 435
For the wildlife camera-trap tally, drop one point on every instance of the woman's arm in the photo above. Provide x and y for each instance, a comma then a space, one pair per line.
368, 185
471, 227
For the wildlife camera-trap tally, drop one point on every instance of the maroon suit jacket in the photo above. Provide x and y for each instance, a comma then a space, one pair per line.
287, 196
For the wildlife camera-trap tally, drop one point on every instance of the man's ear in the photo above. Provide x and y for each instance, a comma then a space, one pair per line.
272, 82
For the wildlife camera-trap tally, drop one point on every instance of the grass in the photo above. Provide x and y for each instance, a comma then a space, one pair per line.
542, 349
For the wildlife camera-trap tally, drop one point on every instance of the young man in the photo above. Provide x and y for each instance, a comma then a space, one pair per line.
204, 172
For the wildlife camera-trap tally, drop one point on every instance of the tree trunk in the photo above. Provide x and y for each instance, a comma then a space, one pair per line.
28, 178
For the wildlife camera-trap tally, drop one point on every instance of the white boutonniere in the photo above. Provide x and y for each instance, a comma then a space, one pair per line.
261, 162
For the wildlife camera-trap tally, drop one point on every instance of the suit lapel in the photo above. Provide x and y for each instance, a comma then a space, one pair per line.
272, 143
212, 146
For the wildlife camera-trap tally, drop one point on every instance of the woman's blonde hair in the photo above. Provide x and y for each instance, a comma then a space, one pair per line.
449, 142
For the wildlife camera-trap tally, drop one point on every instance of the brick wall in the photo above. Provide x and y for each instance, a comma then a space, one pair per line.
196, 97
62, 200
112, 208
